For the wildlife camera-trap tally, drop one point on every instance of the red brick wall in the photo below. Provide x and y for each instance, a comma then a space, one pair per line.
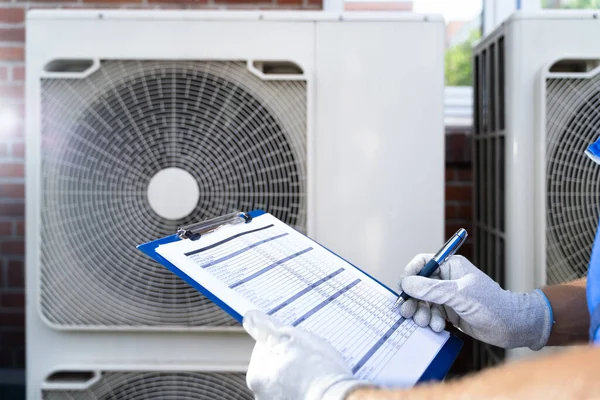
459, 186
12, 152
12, 188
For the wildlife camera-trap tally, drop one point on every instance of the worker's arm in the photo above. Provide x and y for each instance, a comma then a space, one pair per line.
294, 364
572, 374
571, 316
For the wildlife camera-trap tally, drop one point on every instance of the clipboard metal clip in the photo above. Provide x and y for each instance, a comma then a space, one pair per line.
195, 231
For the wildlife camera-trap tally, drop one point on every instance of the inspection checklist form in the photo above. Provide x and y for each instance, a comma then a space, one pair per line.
269, 266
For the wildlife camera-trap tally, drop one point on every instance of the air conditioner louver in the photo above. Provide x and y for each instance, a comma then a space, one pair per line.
104, 138
159, 386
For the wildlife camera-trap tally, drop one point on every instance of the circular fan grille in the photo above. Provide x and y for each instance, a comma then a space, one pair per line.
103, 140
572, 179
160, 386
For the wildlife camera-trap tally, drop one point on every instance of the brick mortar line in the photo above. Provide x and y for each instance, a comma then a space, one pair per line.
9, 180
11, 160
15, 25
11, 44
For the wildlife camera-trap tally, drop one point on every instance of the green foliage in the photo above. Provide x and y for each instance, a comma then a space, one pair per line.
574, 4
459, 63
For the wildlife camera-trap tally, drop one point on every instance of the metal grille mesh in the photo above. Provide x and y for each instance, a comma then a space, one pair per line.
105, 136
489, 163
160, 385
572, 179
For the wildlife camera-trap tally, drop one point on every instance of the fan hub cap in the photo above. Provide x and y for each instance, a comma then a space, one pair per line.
173, 193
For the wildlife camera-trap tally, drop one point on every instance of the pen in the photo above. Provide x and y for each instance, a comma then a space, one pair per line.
449, 249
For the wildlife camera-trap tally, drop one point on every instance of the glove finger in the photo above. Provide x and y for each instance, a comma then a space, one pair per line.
466, 328
423, 315
258, 361
431, 290
455, 268
452, 316
255, 385
408, 308
309, 343
438, 322
417, 264
263, 328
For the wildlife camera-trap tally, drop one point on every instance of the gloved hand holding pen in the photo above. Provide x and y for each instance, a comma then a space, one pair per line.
461, 293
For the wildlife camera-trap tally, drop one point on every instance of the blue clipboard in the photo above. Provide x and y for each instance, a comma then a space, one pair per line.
437, 369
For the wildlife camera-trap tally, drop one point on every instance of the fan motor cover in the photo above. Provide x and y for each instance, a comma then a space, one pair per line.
572, 179
139, 148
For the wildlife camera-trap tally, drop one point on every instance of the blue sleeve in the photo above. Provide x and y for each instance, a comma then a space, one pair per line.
593, 289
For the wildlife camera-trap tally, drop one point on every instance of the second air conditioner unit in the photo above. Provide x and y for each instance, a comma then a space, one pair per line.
536, 111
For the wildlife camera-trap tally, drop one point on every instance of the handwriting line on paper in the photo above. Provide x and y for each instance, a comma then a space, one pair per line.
243, 250
212, 246
377, 345
325, 302
304, 291
270, 267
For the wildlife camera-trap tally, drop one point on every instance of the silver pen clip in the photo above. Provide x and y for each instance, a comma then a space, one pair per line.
451, 246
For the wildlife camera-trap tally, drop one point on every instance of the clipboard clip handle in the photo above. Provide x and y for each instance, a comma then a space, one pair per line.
195, 231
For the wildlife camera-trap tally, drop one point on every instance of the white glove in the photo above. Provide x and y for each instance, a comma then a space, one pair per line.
475, 304
288, 363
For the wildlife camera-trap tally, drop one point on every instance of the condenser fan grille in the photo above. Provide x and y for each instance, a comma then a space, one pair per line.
116, 144
160, 386
572, 179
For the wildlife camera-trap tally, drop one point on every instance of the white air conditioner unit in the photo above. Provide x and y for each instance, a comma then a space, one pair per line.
141, 121
536, 193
